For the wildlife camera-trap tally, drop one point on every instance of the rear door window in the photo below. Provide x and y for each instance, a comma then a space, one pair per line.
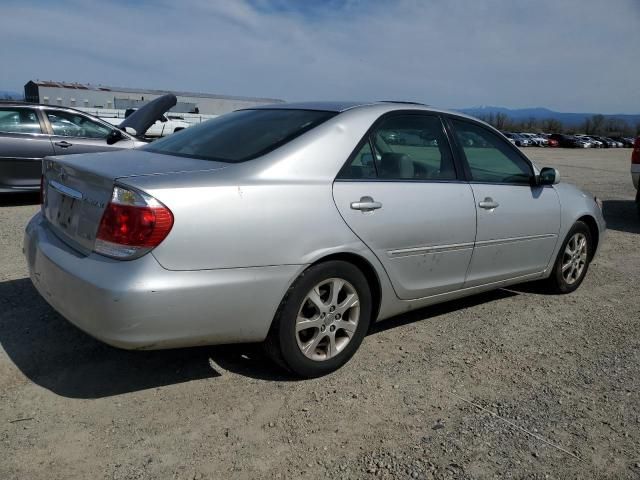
19, 120
406, 147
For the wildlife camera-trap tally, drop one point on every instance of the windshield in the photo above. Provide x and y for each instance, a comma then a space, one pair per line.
239, 136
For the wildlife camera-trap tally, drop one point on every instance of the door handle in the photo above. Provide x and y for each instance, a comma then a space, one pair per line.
64, 144
488, 204
366, 204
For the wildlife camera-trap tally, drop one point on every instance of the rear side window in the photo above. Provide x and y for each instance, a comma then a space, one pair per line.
19, 120
241, 135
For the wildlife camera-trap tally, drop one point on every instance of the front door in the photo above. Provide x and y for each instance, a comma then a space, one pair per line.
401, 195
76, 133
23, 144
518, 222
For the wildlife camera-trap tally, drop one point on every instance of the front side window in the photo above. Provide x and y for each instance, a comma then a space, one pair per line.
19, 120
241, 135
69, 124
406, 147
491, 159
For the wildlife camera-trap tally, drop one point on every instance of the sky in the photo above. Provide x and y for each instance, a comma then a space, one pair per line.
567, 55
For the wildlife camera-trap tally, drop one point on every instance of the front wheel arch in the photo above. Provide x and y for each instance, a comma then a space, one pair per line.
593, 229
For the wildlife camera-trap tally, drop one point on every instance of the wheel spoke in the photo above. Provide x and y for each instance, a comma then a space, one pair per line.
349, 327
566, 266
314, 297
336, 286
309, 348
331, 345
306, 323
349, 302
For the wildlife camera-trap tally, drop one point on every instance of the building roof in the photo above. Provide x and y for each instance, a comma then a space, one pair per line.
142, 91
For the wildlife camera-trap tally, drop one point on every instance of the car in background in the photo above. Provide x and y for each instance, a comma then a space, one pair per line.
30, 132
635, 170
566, 141
551, 142
595, 143
604, 142
583, 142
299, 225
518, 139
612, 143
535, 139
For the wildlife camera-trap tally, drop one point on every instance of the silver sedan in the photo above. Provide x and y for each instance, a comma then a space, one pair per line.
299, 225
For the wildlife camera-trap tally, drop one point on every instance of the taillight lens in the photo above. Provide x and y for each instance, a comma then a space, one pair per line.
132, 224
635, 155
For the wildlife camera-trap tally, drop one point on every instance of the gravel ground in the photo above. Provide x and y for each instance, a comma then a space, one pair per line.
513, 383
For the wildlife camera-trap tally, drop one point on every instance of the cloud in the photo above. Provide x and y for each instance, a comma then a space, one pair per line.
571, 55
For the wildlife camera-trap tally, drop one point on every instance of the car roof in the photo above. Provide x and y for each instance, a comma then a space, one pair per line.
382, 106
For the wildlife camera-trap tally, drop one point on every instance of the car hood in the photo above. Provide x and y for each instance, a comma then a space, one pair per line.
144, 117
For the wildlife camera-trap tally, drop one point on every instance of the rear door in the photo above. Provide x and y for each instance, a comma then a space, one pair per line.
518, 223
73, 132
400, 193
23, 144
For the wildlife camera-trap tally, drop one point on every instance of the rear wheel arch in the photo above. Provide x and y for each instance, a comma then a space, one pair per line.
367, 270
373, 280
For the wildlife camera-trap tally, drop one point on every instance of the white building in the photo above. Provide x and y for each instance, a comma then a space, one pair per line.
77, 95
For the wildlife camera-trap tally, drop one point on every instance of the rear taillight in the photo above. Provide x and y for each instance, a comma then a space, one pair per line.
132, 224
635, 155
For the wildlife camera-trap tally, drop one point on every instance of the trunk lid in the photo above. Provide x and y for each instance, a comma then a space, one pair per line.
77, 188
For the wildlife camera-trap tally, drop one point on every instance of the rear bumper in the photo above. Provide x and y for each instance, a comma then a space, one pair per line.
139, 305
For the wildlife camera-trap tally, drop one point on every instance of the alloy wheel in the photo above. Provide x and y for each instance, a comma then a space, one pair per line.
574, 259
327, 319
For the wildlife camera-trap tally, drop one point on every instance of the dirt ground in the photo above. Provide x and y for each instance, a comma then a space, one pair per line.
514, 383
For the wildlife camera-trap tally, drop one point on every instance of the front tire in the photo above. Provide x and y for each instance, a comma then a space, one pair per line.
638, 201
573, 260
322, 319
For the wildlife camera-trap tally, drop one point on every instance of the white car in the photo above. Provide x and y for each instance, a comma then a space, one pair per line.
161, 128
536, 140
594, 143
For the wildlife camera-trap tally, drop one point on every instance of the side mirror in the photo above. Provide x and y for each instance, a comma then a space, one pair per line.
548, 176
114, 137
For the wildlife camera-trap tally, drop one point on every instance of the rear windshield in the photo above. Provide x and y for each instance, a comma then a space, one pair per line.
239, 136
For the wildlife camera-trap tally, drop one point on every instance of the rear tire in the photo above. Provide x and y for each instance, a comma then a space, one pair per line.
573, 260
322, 319
638, 201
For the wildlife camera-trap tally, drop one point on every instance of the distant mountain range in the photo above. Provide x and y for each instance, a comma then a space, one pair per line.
540, 113
9, 95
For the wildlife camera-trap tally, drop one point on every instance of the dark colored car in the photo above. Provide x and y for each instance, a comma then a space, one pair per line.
30, 132
626, 141
566, 141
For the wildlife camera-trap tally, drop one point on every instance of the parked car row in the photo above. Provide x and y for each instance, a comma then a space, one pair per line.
524, 139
